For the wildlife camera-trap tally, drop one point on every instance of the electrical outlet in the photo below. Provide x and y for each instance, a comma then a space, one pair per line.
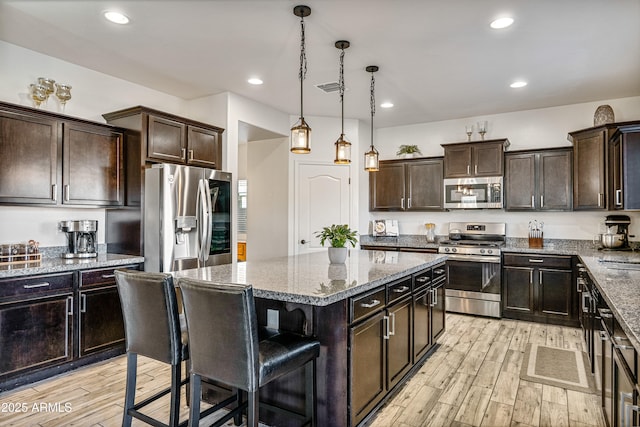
273, 319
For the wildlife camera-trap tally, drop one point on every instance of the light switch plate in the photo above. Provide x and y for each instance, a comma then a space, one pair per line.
273, 319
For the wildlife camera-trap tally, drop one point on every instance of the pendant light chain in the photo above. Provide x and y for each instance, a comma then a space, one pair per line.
341, 86
372, 102
302, 74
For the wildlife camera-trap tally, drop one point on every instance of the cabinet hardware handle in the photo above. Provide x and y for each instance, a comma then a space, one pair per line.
542, 201
536, 260
83, 303
66, 193
409, 203
531, 277
539, 277
476, 169
599, 199
371, 304
533, 201
108, 276
603, 336
70, 305
190, 155
618, 197
54, 192
434, 297
585, 296
579, 283
468, 170
621, 346
402, 203
422, 279
393, 324
401, 289
37, 285
183, 152
439, 271
386, 321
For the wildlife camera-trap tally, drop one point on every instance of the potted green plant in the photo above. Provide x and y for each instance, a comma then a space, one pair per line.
338, 235
408, 150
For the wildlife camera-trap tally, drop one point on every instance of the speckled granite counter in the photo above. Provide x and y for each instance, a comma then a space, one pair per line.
310, 279
58, 264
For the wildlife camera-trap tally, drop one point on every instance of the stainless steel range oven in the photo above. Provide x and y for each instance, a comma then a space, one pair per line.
474, 267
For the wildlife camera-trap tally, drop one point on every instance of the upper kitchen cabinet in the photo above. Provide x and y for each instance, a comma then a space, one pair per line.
168, 138
49, 159
407, 185
539, 180
589, 167
624, 168
471, 159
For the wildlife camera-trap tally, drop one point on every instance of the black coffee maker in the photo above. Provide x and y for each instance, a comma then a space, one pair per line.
617, 236
81, 238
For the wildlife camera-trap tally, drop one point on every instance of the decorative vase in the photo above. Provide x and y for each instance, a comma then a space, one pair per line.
337, 255
603, 115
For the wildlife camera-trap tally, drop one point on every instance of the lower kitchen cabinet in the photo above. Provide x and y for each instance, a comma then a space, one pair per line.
539, 288
400, 336
50, 323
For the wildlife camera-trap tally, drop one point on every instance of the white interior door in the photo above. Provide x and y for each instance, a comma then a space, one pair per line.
323, 197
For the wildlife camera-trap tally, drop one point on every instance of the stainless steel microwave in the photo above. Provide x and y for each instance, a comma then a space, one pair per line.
473, 193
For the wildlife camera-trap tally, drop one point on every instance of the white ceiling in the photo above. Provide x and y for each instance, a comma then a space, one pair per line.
438, 59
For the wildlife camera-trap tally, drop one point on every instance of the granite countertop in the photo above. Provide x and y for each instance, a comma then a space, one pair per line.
310, 279
58, 265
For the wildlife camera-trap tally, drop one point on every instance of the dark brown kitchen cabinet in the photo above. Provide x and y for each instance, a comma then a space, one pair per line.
624, 168
539, 180
539, 288
50, 159
164, 137
36, 325
469, 159
92, 166
407, 185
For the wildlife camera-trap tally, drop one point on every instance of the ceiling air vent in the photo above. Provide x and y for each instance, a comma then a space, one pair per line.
328, 87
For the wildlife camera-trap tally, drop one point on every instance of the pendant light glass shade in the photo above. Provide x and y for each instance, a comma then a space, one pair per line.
343, 147
301, 132
371, 163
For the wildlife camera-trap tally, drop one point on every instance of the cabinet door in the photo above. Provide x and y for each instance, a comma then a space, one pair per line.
554, 292
101, 323
35, 333
589, 171
29, 157
93, 166
631, 171
399, 348
166, 140
387, 188
368, 366
488, 159
204, 148
457, 161
438, 309
520, 181
555, 176
421, 324
517, 289
615, 174
424, 180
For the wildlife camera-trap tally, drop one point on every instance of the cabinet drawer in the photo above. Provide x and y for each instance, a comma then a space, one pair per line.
36, 285
398, 289
101, 276
562, 262
421, 279
363, 305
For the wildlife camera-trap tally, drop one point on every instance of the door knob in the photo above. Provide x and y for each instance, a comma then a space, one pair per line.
303, 241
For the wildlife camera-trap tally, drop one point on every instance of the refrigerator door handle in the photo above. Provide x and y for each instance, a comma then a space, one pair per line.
203, 203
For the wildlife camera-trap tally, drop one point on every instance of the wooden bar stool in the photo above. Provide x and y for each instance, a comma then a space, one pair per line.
225, 347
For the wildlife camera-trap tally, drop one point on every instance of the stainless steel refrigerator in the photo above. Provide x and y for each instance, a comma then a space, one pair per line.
187, 217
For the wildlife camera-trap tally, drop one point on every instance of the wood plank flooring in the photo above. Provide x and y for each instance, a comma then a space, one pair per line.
471, 380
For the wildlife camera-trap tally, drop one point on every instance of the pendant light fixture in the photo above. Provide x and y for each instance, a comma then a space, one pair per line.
343, 147
301, 132
371, 156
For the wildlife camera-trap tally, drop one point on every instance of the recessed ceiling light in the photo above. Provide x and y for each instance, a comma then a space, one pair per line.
116, 17
255, 81
386, 104
501, 23
517, 84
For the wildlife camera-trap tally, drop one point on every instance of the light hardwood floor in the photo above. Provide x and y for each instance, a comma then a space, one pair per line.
471, 380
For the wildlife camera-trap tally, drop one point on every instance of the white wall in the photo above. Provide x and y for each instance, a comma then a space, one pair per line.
541, 128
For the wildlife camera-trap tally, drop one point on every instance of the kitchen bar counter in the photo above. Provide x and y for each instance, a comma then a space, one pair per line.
58, 265
310, 279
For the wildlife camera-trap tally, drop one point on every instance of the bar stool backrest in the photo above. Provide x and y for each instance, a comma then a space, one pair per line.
223, 332
150, 311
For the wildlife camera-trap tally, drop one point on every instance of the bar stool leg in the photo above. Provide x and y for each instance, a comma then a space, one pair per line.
194, 415
252, 409
237, 420
174, 410
130, 389
310, 392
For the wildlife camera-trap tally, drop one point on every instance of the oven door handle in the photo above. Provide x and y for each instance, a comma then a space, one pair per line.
475, 258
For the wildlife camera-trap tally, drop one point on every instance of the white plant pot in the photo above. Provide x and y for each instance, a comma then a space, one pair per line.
337, 255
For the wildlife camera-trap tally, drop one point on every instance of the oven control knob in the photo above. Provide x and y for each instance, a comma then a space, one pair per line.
489, 251
446, 249
454, 250
482, 251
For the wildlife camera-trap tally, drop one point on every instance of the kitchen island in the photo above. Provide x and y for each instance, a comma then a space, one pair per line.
340, 305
